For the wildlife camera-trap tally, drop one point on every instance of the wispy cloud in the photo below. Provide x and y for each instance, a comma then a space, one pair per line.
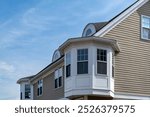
6, 67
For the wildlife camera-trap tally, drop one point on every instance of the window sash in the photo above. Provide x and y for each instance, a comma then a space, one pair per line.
82, 54
102, 68
68, 70
145, 27
82, 67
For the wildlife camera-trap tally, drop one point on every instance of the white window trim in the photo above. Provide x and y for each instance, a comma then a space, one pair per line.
143, 27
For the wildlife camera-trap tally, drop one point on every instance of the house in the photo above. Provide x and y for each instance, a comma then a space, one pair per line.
110, 61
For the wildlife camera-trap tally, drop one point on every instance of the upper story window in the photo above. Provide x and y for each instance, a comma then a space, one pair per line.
145, 27
102, 61
40, 87
58, 78
27, 91
82, 61
68, 64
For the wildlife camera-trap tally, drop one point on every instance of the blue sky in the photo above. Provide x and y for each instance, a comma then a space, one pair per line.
30, 31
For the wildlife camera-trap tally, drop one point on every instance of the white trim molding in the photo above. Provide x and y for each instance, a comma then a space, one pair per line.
129, 96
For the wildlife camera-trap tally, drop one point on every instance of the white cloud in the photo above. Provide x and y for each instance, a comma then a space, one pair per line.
6, 67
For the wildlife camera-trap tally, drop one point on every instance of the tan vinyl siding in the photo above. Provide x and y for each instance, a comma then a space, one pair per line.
49, 91
132, 64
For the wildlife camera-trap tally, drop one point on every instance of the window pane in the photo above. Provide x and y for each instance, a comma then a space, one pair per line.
146, 33
82, 67
68, 70
101, 55
56, 83
68, 58
101, 68
88, 32
113, 72
146, 22
82, 54
60, 81
40, 90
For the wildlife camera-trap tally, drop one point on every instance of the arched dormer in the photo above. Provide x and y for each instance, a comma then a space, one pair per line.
92, 28
89, 30
56, 55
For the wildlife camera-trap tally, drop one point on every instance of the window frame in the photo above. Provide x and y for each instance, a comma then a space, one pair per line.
142, 27
40, 85
68, 64
60, 77
102, 62
83, 61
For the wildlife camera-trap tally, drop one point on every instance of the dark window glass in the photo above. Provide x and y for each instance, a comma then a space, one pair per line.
101, 61
113, 71
88, 32
60, 81
82, 68
68, 70
101, 68
82, 64
21, 95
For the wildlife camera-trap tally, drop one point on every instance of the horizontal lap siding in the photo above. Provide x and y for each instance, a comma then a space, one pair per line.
132, 64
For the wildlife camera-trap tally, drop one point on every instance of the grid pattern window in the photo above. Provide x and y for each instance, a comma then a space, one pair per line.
146, 27
27, 91
40, 87
102, 61
82, 61
68, 64
58, 78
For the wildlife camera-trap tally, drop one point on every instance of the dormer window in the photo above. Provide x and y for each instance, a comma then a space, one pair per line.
88, 32
145, 27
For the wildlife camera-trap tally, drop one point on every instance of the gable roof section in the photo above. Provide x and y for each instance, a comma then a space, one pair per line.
120, 17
